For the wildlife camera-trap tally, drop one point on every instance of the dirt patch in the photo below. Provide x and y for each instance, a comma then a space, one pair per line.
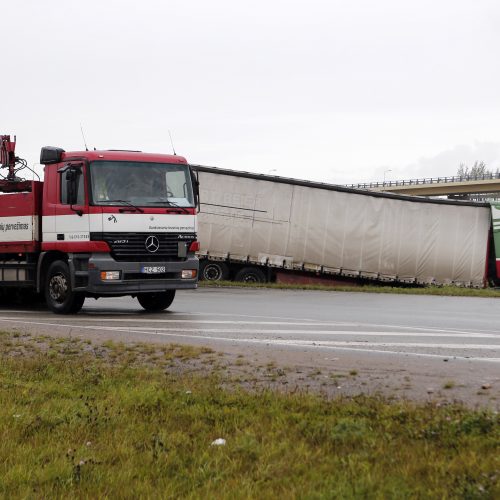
336, 374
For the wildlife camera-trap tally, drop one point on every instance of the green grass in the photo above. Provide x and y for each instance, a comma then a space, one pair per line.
445, 290
89, 421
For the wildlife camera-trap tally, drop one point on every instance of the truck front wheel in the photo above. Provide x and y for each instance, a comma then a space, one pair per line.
59, 296
158, 301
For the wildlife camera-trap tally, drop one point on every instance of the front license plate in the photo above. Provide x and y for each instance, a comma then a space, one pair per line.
152, 269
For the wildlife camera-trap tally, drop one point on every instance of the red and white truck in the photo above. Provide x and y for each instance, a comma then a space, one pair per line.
101, 224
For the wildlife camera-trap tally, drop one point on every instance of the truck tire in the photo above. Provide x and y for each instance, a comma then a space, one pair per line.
156, 301
213, 271
250, 275
59, 296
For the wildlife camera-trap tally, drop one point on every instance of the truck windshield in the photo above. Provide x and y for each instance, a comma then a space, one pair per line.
141, 183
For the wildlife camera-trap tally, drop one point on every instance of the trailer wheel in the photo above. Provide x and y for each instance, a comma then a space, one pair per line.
250, 275
214, 271
156, 301
59, 296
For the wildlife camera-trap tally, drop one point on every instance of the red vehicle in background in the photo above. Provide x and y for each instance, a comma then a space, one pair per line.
101, 224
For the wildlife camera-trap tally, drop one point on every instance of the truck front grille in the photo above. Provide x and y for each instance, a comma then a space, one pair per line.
135, 247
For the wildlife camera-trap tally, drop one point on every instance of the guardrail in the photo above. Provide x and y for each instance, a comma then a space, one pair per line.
486, 198
427, 180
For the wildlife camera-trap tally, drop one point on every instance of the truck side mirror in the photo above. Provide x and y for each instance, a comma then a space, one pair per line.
196, 186
69, 185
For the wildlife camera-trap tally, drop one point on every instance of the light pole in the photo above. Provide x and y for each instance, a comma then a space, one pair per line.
385, 171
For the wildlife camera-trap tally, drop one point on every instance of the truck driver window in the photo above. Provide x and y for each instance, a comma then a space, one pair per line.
141, 183
80, 200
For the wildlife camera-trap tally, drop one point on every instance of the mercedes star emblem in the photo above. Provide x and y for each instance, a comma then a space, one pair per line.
152, 244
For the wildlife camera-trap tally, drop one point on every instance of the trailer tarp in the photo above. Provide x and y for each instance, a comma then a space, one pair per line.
352, 233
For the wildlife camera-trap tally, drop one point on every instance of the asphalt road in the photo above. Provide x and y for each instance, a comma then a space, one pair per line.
430, 339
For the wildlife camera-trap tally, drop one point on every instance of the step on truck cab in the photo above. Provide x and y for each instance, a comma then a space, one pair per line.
101, 224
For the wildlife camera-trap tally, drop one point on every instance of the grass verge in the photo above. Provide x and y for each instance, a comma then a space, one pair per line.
445, 290
115, 420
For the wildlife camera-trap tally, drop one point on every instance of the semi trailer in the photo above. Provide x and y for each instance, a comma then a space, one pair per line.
261, 228
101, 224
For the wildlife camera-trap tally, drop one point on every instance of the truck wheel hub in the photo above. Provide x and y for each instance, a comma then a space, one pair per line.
58, 287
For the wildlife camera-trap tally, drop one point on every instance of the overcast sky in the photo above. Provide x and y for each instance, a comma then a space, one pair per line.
328, 90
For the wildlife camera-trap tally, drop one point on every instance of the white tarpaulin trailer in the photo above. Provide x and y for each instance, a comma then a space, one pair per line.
284, 223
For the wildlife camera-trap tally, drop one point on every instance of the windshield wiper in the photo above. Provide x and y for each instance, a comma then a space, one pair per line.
126, 203
171, 204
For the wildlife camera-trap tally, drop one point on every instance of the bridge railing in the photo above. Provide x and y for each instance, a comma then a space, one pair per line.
492, 197
426, 180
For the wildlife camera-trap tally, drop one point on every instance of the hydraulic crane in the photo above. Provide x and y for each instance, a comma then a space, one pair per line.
11, 182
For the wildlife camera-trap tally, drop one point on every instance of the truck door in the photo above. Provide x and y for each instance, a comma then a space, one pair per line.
72, 218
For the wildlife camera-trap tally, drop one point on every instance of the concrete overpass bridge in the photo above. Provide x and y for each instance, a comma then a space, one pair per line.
438, 186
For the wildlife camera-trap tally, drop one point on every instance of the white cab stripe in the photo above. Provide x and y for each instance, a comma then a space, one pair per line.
76, 227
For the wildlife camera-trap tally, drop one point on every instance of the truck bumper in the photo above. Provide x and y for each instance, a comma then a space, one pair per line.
132, 278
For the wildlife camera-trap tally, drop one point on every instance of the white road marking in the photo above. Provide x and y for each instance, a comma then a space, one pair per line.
354, 333
345, 346
214, 322
299, 323
422, 331
95, 312
494, 347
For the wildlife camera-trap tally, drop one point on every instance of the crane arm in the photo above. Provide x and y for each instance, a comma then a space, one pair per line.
7, 154
9, 160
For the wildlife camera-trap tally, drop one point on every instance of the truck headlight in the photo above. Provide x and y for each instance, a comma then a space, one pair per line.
110, 275
188, 274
